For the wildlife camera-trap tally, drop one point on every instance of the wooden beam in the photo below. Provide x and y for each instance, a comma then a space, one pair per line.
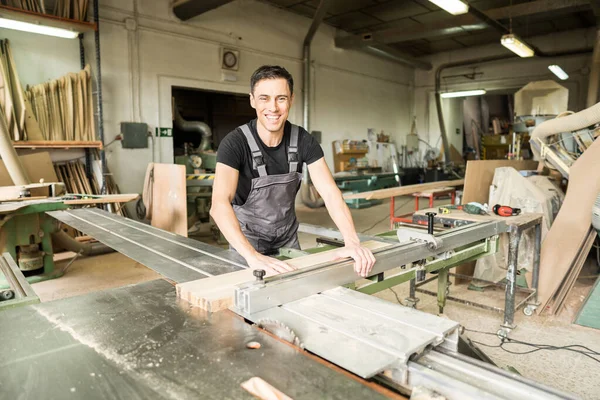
403, 190
216, 293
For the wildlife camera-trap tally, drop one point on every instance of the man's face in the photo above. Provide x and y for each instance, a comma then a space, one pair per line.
272, 101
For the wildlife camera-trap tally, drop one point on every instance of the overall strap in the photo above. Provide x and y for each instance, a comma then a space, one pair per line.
258, 161
293, 149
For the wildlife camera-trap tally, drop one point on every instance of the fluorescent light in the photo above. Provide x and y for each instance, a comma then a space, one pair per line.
464, 93
34, 28
454, 7
517, 46
558, 71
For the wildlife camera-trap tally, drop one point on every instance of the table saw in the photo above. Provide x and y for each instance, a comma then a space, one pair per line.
318, 335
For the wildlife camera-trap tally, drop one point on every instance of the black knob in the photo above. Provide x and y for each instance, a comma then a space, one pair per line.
430, 216
259, 274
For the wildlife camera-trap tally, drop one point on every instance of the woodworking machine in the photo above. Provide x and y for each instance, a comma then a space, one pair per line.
311, 333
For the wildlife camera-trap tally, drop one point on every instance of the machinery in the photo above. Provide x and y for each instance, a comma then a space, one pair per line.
354, 182
318, 335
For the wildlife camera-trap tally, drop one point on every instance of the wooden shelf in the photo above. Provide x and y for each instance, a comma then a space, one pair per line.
47, 20
56, 144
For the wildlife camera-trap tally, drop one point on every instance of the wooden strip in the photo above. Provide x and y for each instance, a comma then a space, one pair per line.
16, 90
216, 293
263, 390
115, 198
402, 190
571, 227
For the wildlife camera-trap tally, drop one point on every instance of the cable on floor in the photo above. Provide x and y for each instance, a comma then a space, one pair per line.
536, 346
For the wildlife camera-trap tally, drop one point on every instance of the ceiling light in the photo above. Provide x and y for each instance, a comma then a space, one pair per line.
558, 71
454, 7
517, 46
464, 93
35, 28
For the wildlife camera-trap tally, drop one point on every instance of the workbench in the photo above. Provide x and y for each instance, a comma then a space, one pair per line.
515, 226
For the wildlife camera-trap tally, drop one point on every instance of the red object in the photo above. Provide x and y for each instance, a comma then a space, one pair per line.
431, 195
506, 211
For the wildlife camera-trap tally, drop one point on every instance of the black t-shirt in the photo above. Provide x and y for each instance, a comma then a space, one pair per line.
234, 151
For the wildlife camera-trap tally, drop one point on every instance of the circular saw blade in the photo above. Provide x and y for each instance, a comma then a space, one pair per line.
280, 330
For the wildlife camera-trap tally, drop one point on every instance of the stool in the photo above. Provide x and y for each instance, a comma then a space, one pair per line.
429, 194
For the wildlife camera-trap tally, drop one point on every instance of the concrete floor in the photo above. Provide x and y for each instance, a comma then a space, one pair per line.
564, 370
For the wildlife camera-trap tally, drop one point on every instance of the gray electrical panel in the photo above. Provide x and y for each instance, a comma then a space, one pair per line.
135, 135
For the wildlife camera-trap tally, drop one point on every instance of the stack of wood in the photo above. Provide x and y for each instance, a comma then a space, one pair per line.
14, 107
64, 107
71, 9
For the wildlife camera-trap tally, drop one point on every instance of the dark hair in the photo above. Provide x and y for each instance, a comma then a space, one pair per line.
271, 72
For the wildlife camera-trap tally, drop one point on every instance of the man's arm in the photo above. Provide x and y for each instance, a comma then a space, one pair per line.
340, 214
224, 187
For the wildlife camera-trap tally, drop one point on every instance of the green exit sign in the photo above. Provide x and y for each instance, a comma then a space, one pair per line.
164, 132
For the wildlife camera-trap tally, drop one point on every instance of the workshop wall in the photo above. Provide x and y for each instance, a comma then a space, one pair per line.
145, 50
500, 77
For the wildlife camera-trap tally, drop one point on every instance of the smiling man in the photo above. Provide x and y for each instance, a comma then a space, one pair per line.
259, 172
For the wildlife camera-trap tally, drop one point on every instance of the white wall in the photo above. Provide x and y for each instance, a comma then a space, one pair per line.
508, 75
145, 50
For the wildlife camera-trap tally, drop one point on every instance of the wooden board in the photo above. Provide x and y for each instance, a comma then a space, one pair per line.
571, 227
169, 201
261, 389
216, 293
480, 174
37, 166
402, 190
114, 198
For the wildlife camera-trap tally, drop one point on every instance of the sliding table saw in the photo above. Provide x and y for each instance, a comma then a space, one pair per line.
316, 337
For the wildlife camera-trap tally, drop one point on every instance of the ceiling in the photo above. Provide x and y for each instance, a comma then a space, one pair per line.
418, 27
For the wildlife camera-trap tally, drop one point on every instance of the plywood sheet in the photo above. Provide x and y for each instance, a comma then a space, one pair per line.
570, 229
37, 166
403, 190
216, 293
169, 203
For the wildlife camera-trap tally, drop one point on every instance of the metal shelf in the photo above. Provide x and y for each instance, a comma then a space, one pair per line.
57, 144
18, 14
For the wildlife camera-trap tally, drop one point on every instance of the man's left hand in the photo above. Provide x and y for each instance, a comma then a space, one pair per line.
363, 258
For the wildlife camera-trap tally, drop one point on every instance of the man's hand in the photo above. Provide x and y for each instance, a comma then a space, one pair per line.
272, 266
363, 258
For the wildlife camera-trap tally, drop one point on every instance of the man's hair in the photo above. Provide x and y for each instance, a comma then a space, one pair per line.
271, 72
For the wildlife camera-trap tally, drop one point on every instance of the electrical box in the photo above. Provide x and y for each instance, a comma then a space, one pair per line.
135, 135
412, 142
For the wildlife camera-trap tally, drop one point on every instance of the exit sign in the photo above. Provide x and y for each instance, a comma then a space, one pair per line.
164, 132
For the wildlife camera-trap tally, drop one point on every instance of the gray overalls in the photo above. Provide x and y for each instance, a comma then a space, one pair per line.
268, 218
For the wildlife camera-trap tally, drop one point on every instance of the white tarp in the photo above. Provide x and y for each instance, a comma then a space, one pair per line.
534, 194
541, 98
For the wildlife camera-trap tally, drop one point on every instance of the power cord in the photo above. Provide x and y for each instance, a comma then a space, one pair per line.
537, 346
387, 216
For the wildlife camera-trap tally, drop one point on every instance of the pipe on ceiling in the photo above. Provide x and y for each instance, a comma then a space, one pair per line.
188, 9
194, 126
305, 191
441, 68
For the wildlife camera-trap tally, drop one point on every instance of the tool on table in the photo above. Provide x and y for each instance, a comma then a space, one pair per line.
506, 211
470, 208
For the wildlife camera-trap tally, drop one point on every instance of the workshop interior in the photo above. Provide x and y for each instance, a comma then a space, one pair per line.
462, 135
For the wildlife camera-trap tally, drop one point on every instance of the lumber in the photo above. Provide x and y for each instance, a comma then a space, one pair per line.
402, 190
109, 198
37, 166
169, 200
216, 293
571, 227
261, 389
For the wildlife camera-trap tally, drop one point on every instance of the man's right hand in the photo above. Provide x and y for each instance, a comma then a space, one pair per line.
272, 266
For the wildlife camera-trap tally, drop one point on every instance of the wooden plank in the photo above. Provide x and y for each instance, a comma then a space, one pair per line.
37, 166
263, 390
216, 293
114, 198
480, 174
570, 229
169, 201
16, 89
402, 190
57, 144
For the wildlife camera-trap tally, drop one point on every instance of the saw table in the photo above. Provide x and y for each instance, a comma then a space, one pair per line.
317, 338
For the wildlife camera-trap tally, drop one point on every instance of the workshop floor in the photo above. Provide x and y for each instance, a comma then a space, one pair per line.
565, 370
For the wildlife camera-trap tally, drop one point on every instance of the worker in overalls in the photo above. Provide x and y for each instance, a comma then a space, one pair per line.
259, 172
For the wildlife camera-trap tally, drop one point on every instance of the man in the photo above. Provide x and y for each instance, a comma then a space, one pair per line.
258, 175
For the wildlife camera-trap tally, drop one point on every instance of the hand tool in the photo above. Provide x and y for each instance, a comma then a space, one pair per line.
506, 211
470, 208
